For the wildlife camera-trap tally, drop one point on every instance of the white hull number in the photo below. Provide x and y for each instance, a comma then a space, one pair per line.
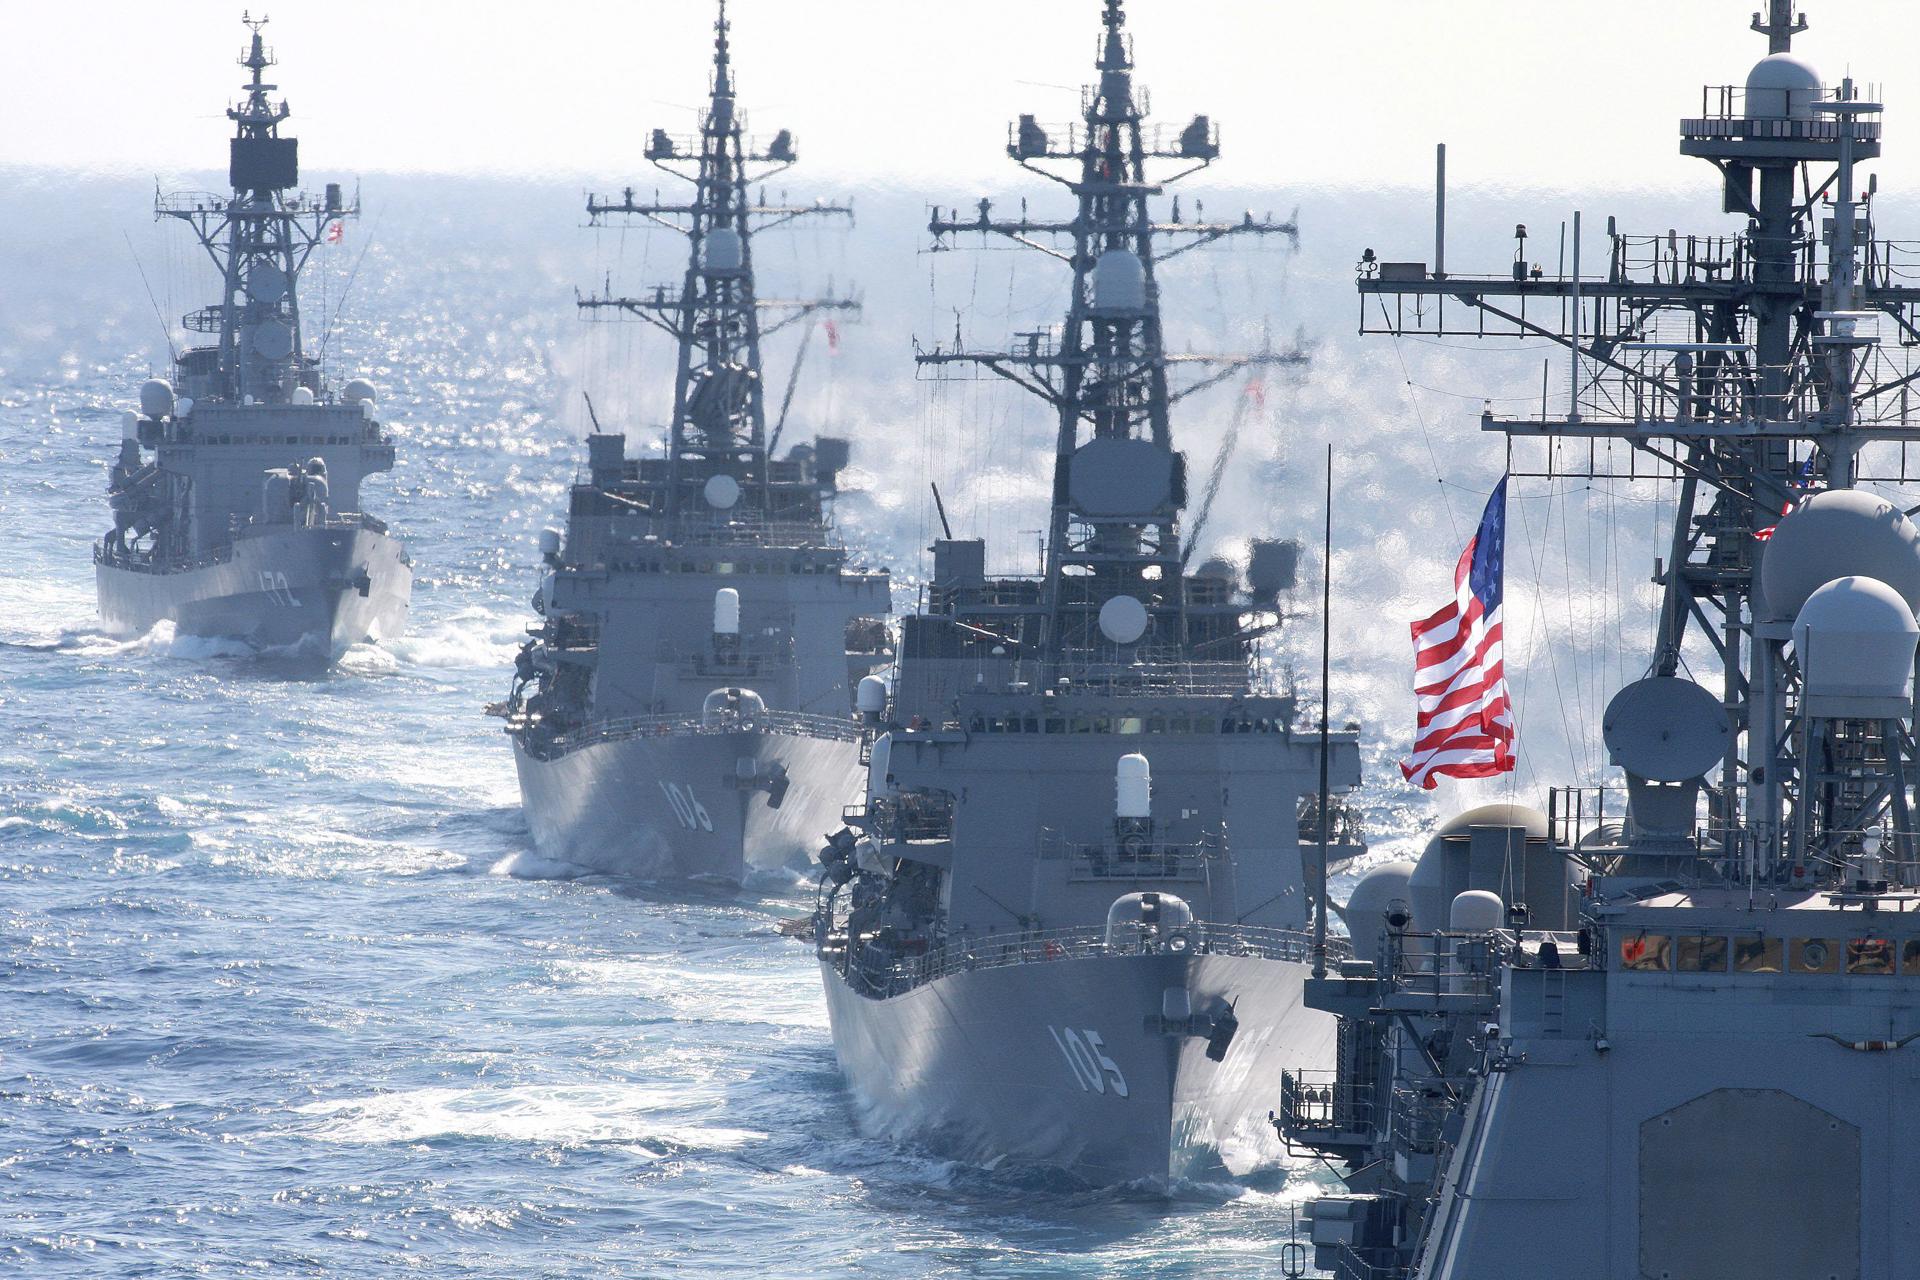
1086, 1055
693, 816
273, 584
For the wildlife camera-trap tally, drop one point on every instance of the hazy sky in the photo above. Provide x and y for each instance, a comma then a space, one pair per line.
1545, 92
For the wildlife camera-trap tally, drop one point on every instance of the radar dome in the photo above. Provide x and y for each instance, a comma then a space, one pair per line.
1476, 911
1367, 906
1782, 85
1123, 619
1835, 534
1119, 282
1854, 641
156, 397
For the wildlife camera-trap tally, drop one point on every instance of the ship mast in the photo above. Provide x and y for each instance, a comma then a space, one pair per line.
259, 239
719, 424
1749, 368
1119, 485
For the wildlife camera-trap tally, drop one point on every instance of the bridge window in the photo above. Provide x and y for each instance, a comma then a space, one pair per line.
1758, 955
1701, 954
1870, 955
1646, 952
1816, 955
1910, 957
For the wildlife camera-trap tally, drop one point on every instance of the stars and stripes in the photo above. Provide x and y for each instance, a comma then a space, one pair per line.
1463, 724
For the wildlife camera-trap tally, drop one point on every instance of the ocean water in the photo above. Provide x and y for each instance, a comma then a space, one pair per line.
286, 990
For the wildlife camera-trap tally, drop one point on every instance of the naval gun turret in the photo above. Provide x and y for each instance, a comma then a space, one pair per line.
249, 428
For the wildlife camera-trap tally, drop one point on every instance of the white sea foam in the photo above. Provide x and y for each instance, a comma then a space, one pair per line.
563, 1115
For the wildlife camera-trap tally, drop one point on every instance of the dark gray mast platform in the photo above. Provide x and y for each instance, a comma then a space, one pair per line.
683, 709
246, 521
1066, 927
1669, 1028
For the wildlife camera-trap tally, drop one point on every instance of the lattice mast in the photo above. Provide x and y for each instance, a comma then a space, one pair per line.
719, 423
1106, 374
1748, 367
259, 239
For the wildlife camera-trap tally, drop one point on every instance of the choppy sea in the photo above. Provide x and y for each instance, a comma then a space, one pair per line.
286, 991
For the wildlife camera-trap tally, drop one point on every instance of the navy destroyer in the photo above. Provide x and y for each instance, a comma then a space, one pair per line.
1065, 928
236, 494
683, 708
1668, 1030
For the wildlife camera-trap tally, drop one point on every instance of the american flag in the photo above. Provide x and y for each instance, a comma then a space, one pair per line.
1463, 725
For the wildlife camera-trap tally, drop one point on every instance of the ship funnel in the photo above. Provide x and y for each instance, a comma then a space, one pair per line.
1133, 787
726, 612
156, 397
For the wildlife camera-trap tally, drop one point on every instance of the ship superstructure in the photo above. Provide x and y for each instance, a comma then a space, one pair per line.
1675, 1036
1064, 927
236, 495
684, 707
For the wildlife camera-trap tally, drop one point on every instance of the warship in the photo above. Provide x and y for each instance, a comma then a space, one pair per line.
683, 708
236, 493
1066, 927
1666, 1029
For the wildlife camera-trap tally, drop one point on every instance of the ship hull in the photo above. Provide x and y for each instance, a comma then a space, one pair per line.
688, 805
1065, 1064
317, 590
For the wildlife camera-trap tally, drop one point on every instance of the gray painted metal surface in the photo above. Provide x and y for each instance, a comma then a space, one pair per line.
1086, 766
700, 595
247, 522
1704, 1064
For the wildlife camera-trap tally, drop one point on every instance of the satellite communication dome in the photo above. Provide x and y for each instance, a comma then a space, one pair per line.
301, 395
1832, 535
1782, 85
721, 492
1123, 619
1368, 904
1476, 911
359, 391
1854, 641
870, 697
1119, 282
156, 397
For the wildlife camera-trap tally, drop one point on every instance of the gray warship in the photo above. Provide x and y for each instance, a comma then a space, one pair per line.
683, 709
1668, 1029
236, 494
1065, 928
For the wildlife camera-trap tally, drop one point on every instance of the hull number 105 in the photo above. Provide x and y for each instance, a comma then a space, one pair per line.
1086, 1055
